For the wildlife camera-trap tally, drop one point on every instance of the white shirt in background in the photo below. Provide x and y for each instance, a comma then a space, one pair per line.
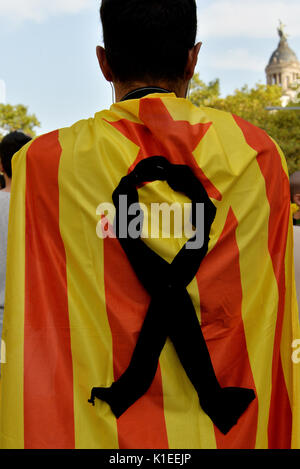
4, 209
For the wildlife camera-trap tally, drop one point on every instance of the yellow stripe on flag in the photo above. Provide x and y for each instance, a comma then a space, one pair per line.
11, 410
95, 427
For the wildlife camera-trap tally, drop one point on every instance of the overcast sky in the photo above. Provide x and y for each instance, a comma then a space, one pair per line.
48, 62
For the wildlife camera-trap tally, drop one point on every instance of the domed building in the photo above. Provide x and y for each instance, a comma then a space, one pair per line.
284, 67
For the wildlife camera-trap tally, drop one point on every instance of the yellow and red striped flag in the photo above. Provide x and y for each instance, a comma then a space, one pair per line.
74, 306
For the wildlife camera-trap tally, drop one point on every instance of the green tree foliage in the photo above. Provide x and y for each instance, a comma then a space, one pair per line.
284, 127
202, 94
17, 118
250, 104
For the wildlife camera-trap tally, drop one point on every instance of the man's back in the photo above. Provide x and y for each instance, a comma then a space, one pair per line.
82, 305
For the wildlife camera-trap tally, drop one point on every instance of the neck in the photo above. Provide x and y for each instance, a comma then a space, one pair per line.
121, 89
7, 183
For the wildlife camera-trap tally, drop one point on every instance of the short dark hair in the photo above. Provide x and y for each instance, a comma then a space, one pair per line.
9, 145
148, 39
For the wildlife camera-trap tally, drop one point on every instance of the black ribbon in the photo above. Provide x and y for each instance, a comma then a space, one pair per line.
171, 312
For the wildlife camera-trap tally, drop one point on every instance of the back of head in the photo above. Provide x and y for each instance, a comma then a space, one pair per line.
148, 40
10, 144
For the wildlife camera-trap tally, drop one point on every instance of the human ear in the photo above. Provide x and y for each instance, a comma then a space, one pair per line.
104, 66
192, 61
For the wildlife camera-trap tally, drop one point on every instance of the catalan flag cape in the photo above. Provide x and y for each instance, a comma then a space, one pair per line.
74, 305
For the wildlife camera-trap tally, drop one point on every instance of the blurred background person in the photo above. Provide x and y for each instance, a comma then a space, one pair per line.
295, 198
10, 144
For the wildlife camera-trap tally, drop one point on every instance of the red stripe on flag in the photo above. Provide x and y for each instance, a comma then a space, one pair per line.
48, 373
143, 425
278, 194
220, 290
160, 134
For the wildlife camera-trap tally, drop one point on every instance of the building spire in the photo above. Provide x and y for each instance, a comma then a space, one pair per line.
282, 34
